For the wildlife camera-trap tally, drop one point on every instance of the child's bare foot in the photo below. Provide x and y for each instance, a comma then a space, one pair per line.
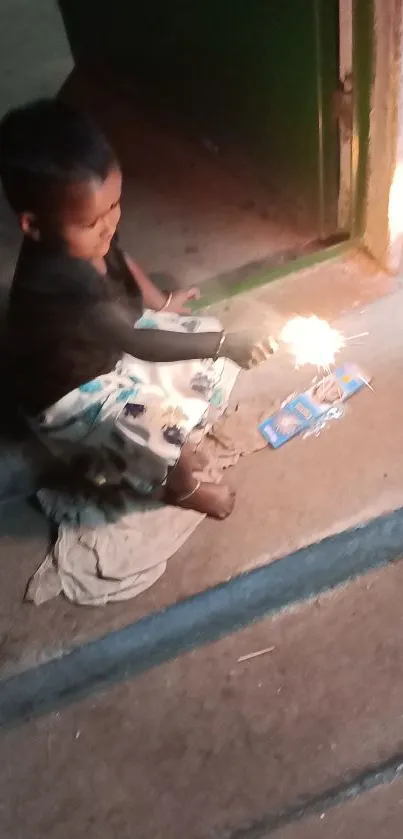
182, 490
213, 500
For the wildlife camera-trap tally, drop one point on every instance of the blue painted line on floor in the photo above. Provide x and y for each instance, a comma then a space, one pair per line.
347, 791
201, 619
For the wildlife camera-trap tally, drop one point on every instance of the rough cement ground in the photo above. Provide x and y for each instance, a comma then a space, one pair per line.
377, 813
286, 499
207, 746
193, 748
35, 57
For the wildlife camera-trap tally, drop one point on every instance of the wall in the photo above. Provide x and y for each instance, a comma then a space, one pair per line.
35, 59
384, 207
35, 55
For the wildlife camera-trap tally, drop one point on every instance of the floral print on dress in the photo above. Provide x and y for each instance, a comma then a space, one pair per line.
126, 394
173, 415
135, 380
191, 324
134, 410
172, 419
94, 386
146, 322
203, 384
174, 435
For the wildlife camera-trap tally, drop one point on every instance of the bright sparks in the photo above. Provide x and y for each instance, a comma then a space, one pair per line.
312, 341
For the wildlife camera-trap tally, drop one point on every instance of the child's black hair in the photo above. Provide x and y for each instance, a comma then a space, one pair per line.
45, 146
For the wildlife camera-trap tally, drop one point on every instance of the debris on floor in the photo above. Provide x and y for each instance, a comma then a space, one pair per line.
310, 411
256, 654
235, 435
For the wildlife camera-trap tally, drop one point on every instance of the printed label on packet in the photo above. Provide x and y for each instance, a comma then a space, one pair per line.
305, 409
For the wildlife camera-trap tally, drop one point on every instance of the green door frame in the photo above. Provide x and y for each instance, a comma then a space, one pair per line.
363, 62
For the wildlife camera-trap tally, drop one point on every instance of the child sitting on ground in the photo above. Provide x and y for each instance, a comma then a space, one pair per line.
92, 340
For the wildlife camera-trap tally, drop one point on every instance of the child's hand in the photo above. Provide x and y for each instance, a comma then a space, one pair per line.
248, 349
179, 300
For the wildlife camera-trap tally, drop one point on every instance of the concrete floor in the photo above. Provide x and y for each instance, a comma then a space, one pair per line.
377, 813
216, 552
276, 512
208, 746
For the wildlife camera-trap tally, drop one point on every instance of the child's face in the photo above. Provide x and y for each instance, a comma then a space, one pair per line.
87, 217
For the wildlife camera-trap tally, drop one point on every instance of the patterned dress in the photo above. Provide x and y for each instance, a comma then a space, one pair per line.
84, 388
135, 419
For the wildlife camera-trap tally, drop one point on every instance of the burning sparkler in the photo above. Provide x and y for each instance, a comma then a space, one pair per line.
312, 341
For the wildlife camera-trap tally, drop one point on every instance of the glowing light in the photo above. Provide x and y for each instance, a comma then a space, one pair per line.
396, 205
312, 341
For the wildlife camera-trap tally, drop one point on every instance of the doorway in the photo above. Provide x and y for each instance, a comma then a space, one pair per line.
232, 134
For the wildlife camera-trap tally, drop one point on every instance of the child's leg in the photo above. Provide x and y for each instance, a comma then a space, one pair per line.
183, 490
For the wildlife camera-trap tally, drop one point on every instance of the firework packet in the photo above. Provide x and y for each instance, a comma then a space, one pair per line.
311, 409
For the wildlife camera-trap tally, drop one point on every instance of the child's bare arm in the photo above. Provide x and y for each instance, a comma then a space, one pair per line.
158, 300
247, 349
153, 298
